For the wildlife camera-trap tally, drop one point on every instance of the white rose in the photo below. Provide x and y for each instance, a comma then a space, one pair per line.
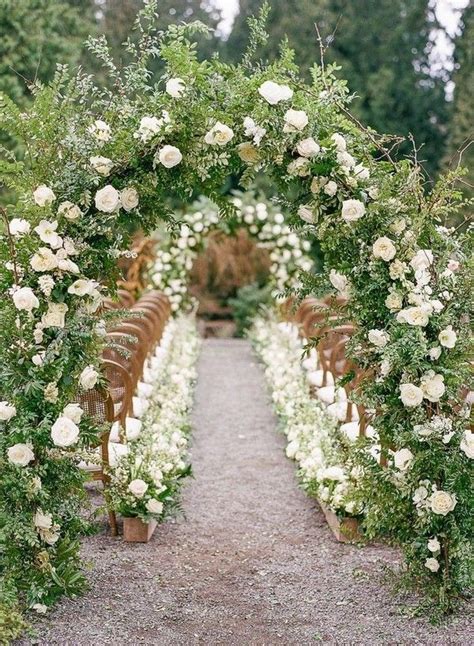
339, 281
411, 395
347, 162
432, 564
432, 385
248, 153
88, 378
47, 232
339, 142
274, 92
103, 165
467, 443
219, 135
330, 188
51, 393
448, 337
42, 520
379, 338
352, 210
434, 353
306, 213
64, 432
43, 196
20, 455
169, 156
7, 411
175, 87
138, 488
434, 545
416, 316
384, 248
361, 172
308, 147
402, 459
422, 259
149, 127
107, 199
442, 502
73, 412
129, 198
154, 506
18, 227
25, 299
55, 316
394, 301
299, 167
100, 131
295, 120
44, 260
69, 210
82, 287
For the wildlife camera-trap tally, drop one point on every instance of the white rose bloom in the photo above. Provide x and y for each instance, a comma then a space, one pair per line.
175, 87
129, 198
73, 412
384, 248
394, 301
422, 259
64, 432
442, 502
43, 196
103, 165
44, 260
467, 443
100, 131
169, 156
361, 172
88, 378
107, 199
55, 316
20, 455
411, 395
306, 213
432, 564
154, 506
69, 210
82, 287
448, 337
295, 120
219, 135
18, 227
138, 488
25, 299
434, 353
308, 147
339, 281
434, 545
248, 153
7, 411
274, 92
299, 167
416, 316
149, 127
347, 161
339, 142
330, 188
432, 385
47, 232
379, 338
352, 210
42, 520
51, 393
402, 459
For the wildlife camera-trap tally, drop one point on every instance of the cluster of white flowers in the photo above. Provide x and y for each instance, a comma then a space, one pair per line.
310, 430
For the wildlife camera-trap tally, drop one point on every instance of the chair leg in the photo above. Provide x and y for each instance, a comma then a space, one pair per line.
113, 522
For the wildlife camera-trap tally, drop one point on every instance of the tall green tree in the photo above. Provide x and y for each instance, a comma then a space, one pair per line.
384, 47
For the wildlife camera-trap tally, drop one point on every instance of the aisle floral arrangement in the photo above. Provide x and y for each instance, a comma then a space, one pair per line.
324, 463
145, 481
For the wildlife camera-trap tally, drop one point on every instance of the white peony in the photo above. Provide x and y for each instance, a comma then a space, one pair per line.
339, 142
20, 455
306, 213
434, 545
44, 260
402, 459
175, 87
352, 210
129, 198
379, 338
100, 131
442, 502
384, 249
69, 210
416, 316
467, 443
138, 488
339, 281
154, 506
394, 301
73, 412
55, 316
274, 92
411, 395
103, 165
25, 299
107, 199
432, 385
18, 227
43, 195
432, 564
308, 147
169, 156
88, 378
422, 259
448, 337
48, 234
7, 411
64, 432
330, 188
295, 120
219, 135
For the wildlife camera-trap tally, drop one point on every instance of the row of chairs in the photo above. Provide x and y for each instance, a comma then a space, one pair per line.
130, 349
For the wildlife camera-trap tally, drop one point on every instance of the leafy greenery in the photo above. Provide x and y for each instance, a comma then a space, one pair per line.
245, 306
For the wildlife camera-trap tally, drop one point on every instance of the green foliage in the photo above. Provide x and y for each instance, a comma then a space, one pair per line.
246, 305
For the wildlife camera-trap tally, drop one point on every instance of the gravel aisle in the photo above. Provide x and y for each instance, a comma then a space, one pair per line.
252, 563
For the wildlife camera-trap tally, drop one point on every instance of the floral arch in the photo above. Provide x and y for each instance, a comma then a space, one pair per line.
100, 163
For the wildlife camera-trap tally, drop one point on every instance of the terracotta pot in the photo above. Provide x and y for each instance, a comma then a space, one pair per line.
136, 531
346, 530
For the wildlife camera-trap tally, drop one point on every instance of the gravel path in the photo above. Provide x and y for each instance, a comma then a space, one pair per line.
252, 562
